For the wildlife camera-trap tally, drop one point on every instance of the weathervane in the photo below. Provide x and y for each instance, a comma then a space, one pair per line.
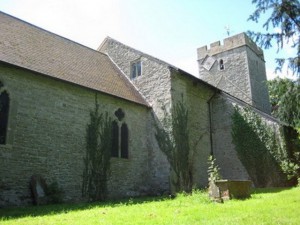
227, 28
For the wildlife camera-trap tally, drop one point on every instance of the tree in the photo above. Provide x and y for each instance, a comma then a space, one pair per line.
285, 100
285, 16
97, 160
173, 140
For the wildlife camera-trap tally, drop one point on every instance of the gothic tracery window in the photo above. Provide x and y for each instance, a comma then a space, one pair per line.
124, 141
115, 139
119, 136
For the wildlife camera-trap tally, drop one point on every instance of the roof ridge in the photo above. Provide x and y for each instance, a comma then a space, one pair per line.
140, 52
50, 32
36, 49
159, 60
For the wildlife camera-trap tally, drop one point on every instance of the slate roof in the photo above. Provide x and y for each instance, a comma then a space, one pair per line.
30, 47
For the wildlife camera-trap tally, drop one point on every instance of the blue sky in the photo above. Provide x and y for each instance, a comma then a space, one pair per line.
170, 30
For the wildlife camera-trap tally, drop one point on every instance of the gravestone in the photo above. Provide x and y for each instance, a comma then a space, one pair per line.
38, 188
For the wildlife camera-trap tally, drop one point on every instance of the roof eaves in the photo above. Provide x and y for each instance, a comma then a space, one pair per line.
190, 76
127, 80
73, 83
245, 104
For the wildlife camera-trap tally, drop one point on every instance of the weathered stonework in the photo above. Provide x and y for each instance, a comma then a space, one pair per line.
48, 114
224, 150
243, 74
47, 127
195, 94
162, 86
155, 85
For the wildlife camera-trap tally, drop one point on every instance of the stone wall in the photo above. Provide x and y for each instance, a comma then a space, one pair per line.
243, 74
224, 149
195, 94
46, 136
234, 79
258, 81
155, 85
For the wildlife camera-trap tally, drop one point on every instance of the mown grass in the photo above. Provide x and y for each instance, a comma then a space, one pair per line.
266, 206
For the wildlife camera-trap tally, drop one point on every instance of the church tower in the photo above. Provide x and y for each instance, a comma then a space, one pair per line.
238, 68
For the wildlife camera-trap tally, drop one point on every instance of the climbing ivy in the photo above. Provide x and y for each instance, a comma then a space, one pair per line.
173, 140
262, 149
97, 159
213, 170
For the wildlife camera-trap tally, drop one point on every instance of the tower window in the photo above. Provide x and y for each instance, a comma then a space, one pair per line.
221, 64
4, 109
136, 69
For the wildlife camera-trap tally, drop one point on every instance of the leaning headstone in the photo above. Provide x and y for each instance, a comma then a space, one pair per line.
214, 192
38, 188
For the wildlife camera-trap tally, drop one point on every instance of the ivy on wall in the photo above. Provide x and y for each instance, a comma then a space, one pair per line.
262, 149
213, 170
98, 152
173, 140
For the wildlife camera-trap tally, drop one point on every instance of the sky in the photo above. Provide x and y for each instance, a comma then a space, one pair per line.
170, 30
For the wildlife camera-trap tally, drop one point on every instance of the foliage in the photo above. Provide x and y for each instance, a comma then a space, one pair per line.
285, 16
54, 193
213, 170
173, 140
97, 159
264, 152
285, 100
266, 206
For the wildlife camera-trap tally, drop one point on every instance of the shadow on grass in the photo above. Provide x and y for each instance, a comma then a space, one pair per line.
35, 211
42, 210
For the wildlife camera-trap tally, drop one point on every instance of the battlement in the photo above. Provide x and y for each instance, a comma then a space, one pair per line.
233, 42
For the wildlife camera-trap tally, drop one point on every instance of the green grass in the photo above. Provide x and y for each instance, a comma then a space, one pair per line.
267, 206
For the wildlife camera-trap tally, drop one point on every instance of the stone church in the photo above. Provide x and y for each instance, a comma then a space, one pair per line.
48, 86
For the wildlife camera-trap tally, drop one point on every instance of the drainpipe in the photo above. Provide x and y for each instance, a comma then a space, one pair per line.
210, 122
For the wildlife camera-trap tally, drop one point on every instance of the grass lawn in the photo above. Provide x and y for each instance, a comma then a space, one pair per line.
267, 206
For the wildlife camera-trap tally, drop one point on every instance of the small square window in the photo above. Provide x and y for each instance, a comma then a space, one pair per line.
136, 69
221, 64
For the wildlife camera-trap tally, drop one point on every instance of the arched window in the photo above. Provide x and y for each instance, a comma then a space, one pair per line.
124, 141
4, 109
115, 139
221, 64
119, 136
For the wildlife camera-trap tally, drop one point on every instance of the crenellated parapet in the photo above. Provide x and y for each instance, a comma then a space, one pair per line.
229, 43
